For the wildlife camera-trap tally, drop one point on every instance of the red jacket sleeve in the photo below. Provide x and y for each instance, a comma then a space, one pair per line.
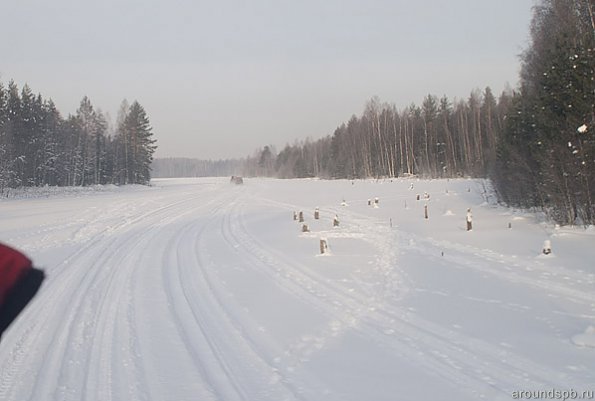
12, 266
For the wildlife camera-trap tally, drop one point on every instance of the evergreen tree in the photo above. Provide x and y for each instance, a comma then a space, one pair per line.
557, 97
4, 141
138, 145
50, 150
38, 147
14, 160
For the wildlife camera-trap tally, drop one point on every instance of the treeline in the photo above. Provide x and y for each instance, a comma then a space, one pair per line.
536, 143
546, 157
440, 138
39, 147
186, 167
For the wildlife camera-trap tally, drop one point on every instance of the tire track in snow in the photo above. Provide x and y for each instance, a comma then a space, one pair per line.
479, 260
343, 311
194, 335
236, 366
470, 363
67, 287
104, 305
507, 364
124, 360
262, 349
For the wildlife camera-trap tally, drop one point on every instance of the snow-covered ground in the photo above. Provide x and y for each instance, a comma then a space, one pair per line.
196, 289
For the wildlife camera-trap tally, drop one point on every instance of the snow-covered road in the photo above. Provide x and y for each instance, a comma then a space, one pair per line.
195, 289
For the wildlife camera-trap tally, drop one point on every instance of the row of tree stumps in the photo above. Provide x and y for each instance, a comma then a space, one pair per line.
324, 247
299, 217
547, 244
426, 196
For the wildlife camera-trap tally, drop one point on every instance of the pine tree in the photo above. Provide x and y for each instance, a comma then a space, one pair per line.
557, 97
50, 152
38, 147
4, 142
138, 145
13, 124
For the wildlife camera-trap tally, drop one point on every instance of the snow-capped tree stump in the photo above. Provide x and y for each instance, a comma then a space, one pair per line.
316, 214
301, 217
323, 246
336, 221
469, 220
376, 201
426, 211
369, 202
305, 228
547, 247
295, 216
417, 197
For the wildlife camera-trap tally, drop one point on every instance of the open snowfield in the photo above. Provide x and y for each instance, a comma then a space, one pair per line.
196, 289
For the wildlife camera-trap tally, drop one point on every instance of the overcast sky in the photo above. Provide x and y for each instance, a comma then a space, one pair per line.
219, 79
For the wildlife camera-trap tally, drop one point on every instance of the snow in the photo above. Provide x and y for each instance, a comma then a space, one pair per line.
586, 339
198, 289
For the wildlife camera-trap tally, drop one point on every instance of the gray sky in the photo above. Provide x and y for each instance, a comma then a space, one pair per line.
221, 78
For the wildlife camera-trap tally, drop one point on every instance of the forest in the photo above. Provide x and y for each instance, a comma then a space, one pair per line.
39, 147
536, 142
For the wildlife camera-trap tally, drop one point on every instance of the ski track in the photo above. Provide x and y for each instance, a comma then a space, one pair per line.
85, 292
514, 270
480, 368
81, 336
226, 347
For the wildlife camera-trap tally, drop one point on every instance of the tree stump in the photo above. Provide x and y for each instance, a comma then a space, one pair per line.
305, 228
469, 220
417, 197
301, 217
336, 221
369, 202
547, 247
295, 216
426, 211
323, 246
316, 214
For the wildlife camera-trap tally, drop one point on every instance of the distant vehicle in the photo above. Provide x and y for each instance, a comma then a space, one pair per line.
236, 180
